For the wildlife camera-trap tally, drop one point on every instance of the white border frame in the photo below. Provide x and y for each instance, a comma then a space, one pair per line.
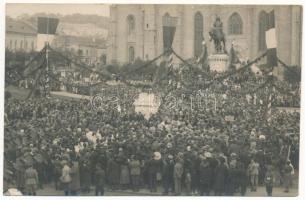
301, 189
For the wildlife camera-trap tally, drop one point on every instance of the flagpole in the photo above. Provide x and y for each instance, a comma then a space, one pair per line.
47, 92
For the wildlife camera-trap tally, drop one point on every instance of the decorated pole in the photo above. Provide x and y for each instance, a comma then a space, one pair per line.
46, 32
47, 80
271, 44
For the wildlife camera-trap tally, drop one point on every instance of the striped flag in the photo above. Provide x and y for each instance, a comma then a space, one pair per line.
270, 99
271, 41
46, 31
169, 60
203, 58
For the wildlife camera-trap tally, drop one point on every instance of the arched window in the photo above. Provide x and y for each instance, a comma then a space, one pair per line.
15, 45
131, 54
21, 44
130, 24
166, 18
198, 34
11, 44
262, 27
235, 24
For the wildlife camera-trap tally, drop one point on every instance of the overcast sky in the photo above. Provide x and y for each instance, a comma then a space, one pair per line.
14, 10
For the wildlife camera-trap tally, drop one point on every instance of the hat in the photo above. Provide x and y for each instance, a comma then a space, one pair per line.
233, 155
157, 155
207, 155
64, 162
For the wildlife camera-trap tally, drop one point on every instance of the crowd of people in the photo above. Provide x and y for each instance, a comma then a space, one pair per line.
226, 144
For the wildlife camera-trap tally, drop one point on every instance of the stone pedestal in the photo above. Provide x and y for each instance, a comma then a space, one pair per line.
219, 62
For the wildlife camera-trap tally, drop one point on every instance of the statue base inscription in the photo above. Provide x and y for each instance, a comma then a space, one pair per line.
219, 62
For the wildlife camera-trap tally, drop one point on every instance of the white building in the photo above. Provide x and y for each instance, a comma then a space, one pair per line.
20, 36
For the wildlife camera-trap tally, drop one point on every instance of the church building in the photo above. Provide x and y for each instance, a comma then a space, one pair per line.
136, 30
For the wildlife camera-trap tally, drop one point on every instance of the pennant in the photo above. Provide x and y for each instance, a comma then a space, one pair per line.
271, 41
46, 31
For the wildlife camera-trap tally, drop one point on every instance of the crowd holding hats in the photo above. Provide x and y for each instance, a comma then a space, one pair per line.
227, 144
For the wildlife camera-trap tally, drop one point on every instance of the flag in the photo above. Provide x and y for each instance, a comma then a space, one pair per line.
46, 31
169, 29
269, 103
271, 42
233, 59
169, 60
203, 58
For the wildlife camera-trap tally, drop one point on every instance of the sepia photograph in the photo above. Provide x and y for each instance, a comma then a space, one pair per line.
152, 99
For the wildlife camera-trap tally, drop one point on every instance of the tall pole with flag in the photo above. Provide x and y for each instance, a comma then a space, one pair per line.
47, 79
271, 44
46, 32
169, 29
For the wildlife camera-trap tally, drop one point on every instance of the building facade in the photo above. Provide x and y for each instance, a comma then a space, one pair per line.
136, 30
90, 51
20, 36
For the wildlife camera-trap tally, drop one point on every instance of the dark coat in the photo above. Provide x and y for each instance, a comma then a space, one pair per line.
99, 178
221, 173
232, 180
125, 177
113, 172
206, 175
135, 167
75, 177
85, 174
168, 171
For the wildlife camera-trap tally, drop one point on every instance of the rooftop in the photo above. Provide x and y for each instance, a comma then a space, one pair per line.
21, 27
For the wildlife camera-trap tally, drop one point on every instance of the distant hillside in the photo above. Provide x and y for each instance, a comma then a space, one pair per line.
81, 30
100, 21
76, 24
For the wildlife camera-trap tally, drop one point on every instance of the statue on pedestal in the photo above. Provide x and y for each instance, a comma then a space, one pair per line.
218, 37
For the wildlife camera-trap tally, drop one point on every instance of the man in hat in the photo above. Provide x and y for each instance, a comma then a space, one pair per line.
154, 167
100, 178
287, 175
168, 174
75, 178
135, 172
269, 179
31, 180
20, 169
205, 176
178, 171
221, 173
65, 177
253, 170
